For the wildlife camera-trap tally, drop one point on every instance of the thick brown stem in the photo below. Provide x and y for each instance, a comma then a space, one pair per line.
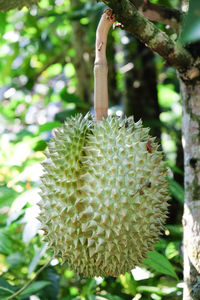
100, 66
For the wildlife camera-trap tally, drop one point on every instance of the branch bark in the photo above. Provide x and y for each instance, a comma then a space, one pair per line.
150, 35
159, 13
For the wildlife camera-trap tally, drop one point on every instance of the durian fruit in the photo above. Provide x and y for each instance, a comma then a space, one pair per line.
104, 191
11, 4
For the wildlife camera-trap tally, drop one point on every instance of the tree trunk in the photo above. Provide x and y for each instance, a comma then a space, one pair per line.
113, 92
141, 98
191, 218
83, 60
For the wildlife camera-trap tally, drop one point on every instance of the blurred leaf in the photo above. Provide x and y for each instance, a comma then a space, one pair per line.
15, 259
34, 288
156, 290
5, 292
6, 289
166, 95
171, 250
161, 245
23, 133
48, 126
36, 258
3, 22
191, 24
72, 98
160, 263
176, 231
61, 116
40, 146
6, 245
128, 283
50, 275
7, 196
107, 296
176, 190
175, 169
89, 287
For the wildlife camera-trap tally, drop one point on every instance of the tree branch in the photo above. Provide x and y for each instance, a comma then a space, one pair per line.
150, 35
159, 13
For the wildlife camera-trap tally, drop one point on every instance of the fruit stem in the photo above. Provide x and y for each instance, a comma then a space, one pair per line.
100, 66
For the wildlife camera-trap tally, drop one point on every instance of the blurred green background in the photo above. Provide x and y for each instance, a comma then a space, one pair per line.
46, 75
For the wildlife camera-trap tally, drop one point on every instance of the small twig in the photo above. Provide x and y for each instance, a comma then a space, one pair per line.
30, 281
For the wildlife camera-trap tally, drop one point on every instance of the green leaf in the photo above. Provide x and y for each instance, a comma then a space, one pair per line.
191, 24
167, 95
15, 259
40, 146
171, 250
36, 258
6, 245
176, 190
72, 98
7, 196
160, 263
48, 126
34, 288
5, 291
5, 288
156, 290
51, 291
176, 231
128, 283
107, 296
3, 22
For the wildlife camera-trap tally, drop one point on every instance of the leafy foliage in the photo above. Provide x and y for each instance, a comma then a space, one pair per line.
191, 26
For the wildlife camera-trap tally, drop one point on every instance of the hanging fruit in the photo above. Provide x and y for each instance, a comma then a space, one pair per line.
104, 191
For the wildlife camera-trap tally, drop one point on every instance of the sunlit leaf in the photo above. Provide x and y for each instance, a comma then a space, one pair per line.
48, 126
36, 258
6, 245
191, 24
176, 190
7, 196
166, 95
171, 250
160, 263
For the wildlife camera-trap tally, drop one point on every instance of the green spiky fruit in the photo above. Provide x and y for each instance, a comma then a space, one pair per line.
103, 195
11, 4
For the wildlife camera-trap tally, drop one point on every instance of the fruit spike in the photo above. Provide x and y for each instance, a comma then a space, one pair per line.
104, 191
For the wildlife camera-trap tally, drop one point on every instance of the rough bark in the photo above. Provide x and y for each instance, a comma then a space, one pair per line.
191, 218
150, 35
